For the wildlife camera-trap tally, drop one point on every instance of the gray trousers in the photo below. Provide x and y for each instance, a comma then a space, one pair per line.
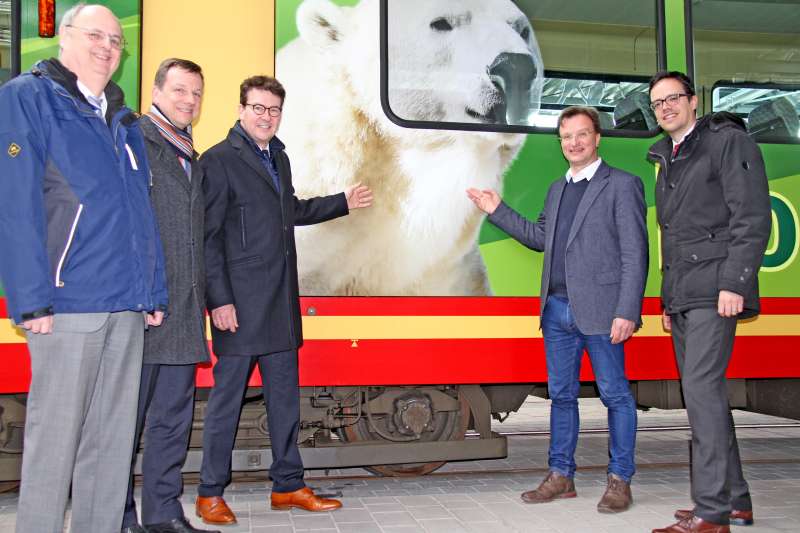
80, 421
703, 343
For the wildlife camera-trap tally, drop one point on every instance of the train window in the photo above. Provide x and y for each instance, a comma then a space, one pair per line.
503, 65
745, 58
9, 39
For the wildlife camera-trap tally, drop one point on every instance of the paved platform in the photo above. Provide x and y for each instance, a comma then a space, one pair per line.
483, 496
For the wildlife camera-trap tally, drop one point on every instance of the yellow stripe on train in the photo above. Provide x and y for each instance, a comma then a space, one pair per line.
464, 327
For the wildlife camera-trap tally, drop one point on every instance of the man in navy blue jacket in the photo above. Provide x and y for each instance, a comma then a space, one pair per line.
81, 262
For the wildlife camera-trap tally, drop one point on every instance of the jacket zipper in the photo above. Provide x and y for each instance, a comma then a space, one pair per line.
59, 282
243, 227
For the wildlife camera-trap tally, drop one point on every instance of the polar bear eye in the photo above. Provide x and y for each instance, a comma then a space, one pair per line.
441, 24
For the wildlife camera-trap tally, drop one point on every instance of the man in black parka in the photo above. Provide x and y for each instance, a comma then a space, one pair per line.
252, 293
713, 207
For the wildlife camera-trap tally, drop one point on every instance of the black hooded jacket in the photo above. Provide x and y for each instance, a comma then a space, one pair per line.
713, 207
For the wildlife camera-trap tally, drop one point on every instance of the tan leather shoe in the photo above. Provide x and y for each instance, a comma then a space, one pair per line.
618, 496
554, 487
695, 524
737, 518
213, 510
302, 499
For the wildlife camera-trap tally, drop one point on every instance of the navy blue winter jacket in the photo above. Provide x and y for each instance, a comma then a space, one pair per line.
77, 232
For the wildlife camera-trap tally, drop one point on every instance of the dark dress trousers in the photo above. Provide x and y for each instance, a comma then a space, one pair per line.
251, 262
171, 351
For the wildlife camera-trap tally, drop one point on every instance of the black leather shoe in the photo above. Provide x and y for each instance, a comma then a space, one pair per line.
135, 528
177, 525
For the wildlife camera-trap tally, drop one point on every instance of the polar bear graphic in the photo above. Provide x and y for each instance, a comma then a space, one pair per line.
450, 60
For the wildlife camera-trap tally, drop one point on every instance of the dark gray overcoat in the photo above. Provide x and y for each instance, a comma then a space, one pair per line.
180, 209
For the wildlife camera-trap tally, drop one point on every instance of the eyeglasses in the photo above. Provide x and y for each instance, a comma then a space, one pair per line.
580, 136
259, 109
98, 36
671, 99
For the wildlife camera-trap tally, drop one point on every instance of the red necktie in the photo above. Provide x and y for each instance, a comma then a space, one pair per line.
675, 150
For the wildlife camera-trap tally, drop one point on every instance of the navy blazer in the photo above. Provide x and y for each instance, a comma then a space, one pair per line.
607, 248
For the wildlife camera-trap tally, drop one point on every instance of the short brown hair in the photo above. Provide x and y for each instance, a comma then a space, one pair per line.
174, 62
263, 83
686, 81
575, 110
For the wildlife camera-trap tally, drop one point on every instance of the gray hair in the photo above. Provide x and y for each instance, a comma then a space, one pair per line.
69, 16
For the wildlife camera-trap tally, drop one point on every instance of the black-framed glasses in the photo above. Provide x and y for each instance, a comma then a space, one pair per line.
99, 36
671, 99
259, 109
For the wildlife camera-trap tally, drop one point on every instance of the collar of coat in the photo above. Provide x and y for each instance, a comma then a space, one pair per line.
238, 133
711, 123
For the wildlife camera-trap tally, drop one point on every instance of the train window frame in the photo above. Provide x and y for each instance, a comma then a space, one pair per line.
748, 85
16, 36
661, 61
691, 67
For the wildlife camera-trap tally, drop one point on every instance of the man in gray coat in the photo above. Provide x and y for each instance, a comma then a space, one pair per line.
171, 352
594, 237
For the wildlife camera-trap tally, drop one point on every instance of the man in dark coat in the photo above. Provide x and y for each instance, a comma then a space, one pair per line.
712, 203
172, 351
594, 237
251, 266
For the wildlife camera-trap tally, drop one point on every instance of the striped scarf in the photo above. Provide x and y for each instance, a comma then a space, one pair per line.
181, 141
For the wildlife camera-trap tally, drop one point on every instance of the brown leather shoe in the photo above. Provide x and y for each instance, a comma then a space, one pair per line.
302, 499
737, 518
554, 487
213, 510
617, 498
695, 524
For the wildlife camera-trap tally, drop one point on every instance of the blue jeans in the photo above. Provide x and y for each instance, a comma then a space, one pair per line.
564, 346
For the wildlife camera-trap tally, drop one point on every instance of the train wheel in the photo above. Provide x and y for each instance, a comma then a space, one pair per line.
412, 417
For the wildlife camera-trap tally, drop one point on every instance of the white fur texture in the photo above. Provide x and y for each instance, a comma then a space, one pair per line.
420, 236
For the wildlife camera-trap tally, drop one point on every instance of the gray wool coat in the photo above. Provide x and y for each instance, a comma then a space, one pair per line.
607, 249
180, 210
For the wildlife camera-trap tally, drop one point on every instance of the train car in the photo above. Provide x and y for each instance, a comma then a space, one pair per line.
420, 320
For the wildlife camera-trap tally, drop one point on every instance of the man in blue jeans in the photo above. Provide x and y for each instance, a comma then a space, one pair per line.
594, 237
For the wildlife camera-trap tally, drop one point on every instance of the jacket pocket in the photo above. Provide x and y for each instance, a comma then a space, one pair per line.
704, 251
63, 257
608, 277
243, 227
699, 277
244, 261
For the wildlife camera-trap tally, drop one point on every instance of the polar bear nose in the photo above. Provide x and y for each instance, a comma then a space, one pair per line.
513, 75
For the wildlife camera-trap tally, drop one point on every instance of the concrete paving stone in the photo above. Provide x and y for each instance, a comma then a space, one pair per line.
448, 525
271, 518
271, 529
403, 529
394, 518
429, 512
385, 507
346, 515
359, 527
313, 521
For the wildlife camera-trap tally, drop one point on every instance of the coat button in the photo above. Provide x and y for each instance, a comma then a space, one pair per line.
694, 257
741, 278
671, 185
666, 267
666, 226
747, 269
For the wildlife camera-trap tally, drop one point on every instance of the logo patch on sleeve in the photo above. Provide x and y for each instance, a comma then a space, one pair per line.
14, 149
